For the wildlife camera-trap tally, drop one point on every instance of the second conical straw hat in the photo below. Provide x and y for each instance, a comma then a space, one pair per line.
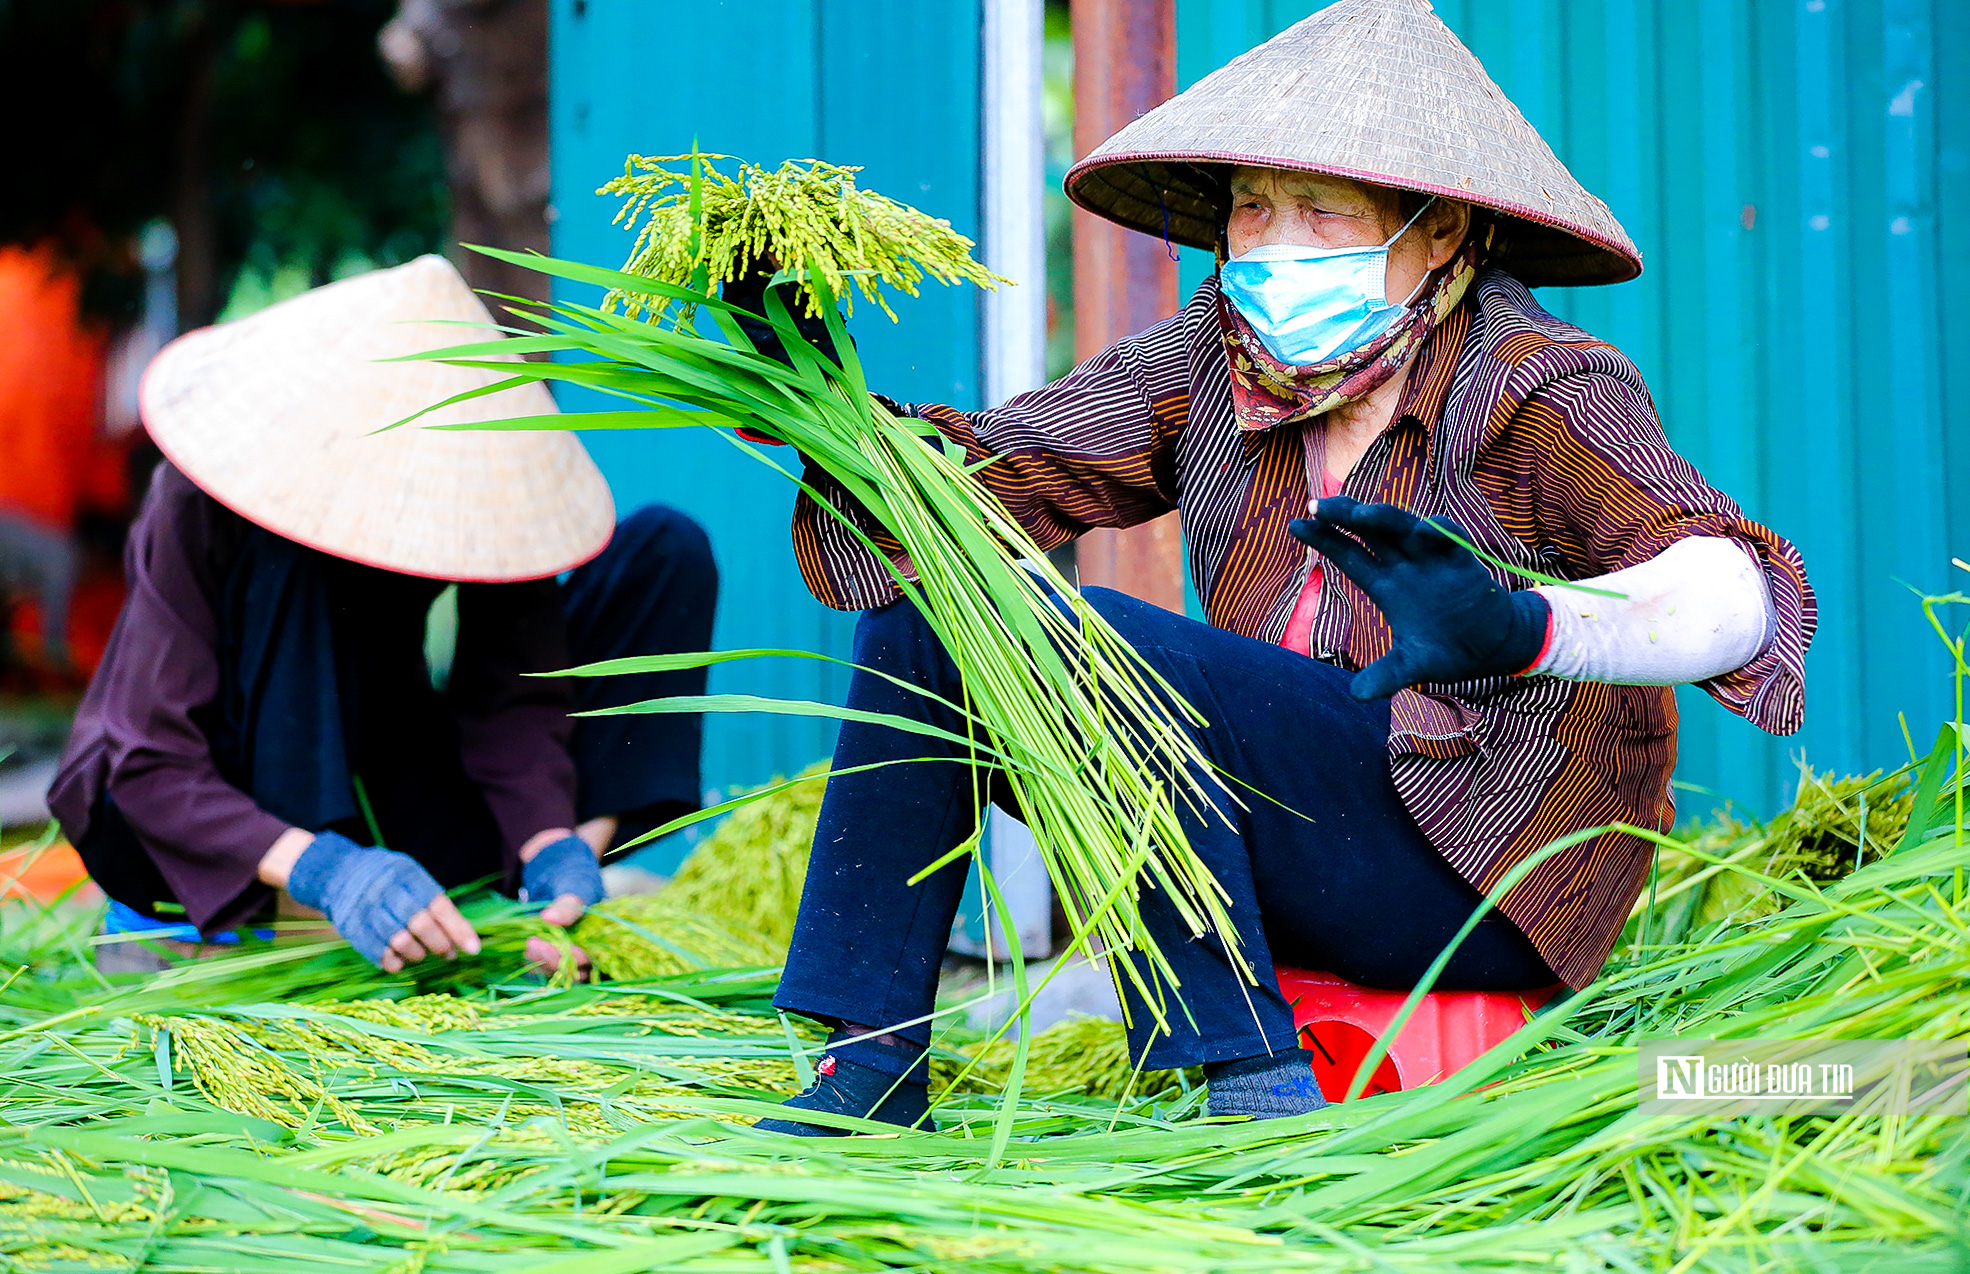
1375, 90
276, 416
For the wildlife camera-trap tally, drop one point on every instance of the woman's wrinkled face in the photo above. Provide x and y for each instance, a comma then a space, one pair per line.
1273, 206
1279, 206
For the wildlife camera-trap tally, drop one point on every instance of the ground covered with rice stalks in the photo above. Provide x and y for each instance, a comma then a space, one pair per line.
287, 1108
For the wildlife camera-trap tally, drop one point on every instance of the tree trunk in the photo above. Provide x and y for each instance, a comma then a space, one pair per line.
192, 215
486, 62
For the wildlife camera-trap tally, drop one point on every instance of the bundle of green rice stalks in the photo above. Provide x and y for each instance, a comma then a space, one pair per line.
1091, 743
1833, 827
804, 214
732, 902
654, 935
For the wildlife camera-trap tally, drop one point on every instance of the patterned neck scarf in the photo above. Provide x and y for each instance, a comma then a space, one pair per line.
1266, 392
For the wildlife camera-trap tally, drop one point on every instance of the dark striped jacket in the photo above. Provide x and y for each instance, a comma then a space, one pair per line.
1538, 438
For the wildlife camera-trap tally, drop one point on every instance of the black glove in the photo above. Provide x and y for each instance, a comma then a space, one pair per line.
748, 292
368, 894
565, 866
1451, 621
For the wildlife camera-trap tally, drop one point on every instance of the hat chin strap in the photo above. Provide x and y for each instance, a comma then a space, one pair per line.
1428, 269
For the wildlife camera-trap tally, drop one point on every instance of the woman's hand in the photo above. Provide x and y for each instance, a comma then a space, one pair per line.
748, 292
561, 869
1451, 621
566, 869
386, 905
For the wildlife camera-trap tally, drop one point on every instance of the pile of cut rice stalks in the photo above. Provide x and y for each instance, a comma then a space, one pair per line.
288, 1108
732, 902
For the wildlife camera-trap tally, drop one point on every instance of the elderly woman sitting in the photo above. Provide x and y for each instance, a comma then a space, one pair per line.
1369, 353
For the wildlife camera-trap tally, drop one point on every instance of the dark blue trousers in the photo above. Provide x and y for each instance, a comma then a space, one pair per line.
1331, 873
653, 591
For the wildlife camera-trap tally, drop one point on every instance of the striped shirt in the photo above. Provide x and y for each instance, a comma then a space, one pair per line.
1541, 440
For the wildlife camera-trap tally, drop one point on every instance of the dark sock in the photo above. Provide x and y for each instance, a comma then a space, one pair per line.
893, 1055
872, 1079
1269, 1086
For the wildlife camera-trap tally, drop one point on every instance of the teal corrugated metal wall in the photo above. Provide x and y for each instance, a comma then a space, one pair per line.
883, 83
1797, 174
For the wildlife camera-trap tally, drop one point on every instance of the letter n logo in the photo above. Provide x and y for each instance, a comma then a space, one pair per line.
1678, 1077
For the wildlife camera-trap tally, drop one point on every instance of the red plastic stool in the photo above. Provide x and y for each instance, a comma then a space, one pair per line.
1339, 1022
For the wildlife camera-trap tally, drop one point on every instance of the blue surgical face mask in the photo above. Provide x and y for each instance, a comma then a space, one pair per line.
1312, 304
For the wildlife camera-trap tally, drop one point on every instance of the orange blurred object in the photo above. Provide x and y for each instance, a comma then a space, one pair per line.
56, 461
53, 457
1339, 1022
45, 875
92, 612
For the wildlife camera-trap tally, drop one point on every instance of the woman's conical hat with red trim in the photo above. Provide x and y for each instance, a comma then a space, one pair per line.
1376, 90
276, 416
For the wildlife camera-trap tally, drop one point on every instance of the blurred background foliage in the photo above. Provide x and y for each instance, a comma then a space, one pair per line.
1057, 108
268, 135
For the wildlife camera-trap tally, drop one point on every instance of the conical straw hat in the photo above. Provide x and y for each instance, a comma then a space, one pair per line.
274, 416
1375, 90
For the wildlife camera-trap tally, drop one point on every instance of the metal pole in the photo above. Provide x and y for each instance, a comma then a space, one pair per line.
1015, 176
1124, 64
1015, 332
